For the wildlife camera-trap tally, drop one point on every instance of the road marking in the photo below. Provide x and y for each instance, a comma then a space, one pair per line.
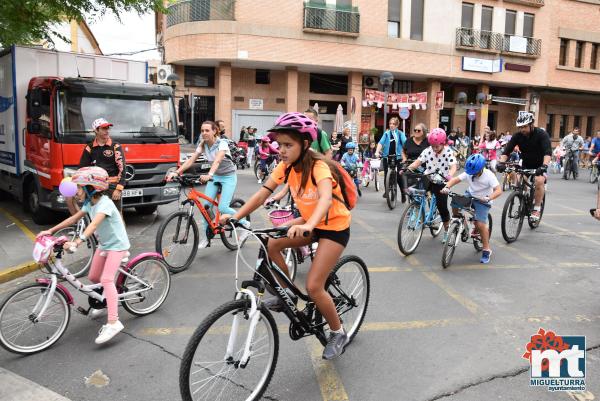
581, 395
330, 383
415, 324
564, 230
577, 211
563, 214
19, 224
517, 251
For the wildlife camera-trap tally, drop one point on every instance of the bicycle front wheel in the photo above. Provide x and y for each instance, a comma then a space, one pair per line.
512, 217
152, 271
211, 365
177, 241
410, 229
392, 190
376, 180
78, 263
451, 243
350, 287
20, 330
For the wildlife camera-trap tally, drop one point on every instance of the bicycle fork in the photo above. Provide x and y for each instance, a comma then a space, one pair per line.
254, 317
46, 301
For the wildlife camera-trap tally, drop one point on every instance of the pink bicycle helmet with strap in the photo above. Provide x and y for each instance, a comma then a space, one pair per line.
297, 122
95, 176
265, 139
437, 136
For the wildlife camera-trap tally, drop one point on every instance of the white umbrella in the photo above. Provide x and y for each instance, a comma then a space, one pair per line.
339, 119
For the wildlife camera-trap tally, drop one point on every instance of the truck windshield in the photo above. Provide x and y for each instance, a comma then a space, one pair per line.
150, 117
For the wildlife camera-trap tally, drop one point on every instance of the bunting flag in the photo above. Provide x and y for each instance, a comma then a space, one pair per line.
408, 100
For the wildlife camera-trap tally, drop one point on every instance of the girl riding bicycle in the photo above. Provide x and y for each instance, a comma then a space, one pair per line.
222, 170
484, 187
106, 221
439, 158
266, 152
313, 182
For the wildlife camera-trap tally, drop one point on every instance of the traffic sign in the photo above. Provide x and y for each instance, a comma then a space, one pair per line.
404, 113
472, 115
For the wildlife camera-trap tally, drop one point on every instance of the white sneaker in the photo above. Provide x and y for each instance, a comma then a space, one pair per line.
96, 313
260, 181
243, 234
203, 244
108, 331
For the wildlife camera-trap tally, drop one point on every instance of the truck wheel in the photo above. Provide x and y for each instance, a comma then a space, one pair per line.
146, 209
40, 214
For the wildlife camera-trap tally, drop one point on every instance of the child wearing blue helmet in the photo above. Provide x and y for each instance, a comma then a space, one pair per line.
484, 187
351, 162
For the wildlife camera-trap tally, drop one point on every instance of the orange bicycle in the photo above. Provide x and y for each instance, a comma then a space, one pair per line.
178, 236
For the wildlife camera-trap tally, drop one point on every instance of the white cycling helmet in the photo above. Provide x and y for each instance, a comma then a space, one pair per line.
524, 119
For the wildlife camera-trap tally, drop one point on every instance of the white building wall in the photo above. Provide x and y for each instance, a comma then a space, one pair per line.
441, 20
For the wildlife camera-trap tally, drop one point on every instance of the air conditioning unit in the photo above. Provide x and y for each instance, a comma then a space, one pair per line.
164, 70
370, 82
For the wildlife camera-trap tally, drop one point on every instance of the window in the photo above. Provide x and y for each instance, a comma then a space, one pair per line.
590, 126
594, 58
329, 84
511, 22
467, 15
416, 19
550, 124
576, 122
528, 25
263, 77
486, 18
578, 53
394, 7
203, 77
563, 126
564, 51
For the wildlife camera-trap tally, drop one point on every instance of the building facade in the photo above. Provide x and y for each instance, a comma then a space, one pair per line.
247, 61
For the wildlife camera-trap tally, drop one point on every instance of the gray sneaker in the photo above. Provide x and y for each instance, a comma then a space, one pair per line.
335, 345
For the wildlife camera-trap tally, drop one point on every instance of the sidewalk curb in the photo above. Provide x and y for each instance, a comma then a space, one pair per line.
14, 272
18, 388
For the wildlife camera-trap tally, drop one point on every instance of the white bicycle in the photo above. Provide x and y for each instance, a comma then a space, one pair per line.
35, 316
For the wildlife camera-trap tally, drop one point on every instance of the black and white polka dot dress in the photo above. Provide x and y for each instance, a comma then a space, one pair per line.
438, 162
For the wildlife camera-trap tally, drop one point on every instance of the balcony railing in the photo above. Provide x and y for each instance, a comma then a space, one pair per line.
200, 10
486, 41
331, 18
533, 3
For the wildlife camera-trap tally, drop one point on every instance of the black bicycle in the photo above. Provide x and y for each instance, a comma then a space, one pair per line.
392, 177
232, 355
569, 163
520, 204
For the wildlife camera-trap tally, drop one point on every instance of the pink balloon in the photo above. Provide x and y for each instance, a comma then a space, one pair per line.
67, 188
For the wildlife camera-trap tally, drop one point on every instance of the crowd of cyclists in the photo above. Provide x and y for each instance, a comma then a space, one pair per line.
313, 170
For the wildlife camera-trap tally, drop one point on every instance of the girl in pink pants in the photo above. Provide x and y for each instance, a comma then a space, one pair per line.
107, 224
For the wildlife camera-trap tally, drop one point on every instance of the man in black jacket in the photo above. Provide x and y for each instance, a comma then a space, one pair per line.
536, 153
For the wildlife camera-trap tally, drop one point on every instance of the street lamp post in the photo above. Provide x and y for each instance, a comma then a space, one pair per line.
386, 79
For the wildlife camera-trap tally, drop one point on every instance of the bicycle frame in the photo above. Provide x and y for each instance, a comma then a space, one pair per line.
57, 269
195, 198
427, 207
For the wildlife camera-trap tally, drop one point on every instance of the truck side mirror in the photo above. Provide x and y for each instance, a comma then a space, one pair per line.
34, 103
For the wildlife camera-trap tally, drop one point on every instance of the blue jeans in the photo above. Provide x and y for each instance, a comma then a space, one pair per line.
228, 184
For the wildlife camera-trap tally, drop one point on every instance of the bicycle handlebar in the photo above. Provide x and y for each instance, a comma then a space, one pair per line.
272, 232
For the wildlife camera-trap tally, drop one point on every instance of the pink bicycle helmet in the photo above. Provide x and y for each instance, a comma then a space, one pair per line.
95, 176
265, 139
437, 136
297, 122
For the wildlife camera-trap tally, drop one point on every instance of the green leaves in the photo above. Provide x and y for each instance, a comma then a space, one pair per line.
30, 21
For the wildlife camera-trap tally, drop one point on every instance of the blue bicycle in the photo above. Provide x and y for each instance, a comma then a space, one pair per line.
421, 212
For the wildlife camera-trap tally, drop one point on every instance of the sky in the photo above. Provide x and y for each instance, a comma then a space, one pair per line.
132, 33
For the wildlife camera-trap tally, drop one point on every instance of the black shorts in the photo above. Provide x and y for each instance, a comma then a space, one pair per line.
341, 237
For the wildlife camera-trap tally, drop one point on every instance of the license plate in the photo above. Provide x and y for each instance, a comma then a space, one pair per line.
205, 166
128, 193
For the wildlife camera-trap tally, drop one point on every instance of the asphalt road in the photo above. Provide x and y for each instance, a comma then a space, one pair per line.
429, 333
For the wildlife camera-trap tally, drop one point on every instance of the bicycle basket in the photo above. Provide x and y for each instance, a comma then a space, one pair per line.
375, 163
280, 216
462, 202
43, 247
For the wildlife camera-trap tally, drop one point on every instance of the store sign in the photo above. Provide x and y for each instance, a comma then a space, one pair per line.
481, 65
255, 104
517, 44
509, 100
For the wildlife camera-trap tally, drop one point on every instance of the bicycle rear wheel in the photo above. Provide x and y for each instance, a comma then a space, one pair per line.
451, 243
436, 224
19, 332
410, 229
227, 236
392, 189
78, 263
350, 287
533, 224
154, 272
376, 180
209, 372
177, 241
512, 217
291, 260
593, 174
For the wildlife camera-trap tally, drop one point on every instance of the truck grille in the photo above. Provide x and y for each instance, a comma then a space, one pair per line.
147, 174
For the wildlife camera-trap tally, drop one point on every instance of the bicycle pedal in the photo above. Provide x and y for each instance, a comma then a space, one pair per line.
83, 311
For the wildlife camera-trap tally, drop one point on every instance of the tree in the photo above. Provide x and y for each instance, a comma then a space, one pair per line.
29, 21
